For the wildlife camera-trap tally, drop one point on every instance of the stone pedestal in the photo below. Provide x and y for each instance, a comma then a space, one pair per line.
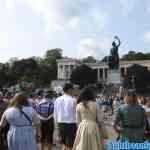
114, 76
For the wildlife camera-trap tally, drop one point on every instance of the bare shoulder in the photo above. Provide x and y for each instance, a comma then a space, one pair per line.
92, 103
11, 111
79, 106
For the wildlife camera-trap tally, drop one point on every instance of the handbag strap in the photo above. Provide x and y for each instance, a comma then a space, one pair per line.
6, 119
26, 116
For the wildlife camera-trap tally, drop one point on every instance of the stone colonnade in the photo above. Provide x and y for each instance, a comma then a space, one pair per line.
65, 67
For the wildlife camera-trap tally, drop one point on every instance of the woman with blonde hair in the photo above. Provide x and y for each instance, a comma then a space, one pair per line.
20, 117
130, 120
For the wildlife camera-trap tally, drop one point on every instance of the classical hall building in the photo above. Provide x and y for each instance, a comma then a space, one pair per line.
65, 67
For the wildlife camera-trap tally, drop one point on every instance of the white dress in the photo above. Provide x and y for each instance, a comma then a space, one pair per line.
21, 133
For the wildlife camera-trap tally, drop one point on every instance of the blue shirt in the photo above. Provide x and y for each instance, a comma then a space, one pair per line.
45, 107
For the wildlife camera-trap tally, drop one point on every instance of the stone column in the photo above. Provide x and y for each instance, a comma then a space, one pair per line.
98, 75
58, 72
69, 71
104, 74
63, 72
106, 77
125, 71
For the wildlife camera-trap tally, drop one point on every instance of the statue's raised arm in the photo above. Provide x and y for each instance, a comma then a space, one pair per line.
119, 42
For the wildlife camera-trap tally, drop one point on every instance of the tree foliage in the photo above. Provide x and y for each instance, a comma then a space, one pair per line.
83, 75
89, 59
132, 55
138, 77
40, 71
105, 59
51, 56
24, 68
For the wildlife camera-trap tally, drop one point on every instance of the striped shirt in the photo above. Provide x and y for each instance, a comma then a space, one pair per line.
45, 107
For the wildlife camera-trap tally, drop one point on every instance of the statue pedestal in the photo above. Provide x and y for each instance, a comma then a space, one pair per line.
114, 76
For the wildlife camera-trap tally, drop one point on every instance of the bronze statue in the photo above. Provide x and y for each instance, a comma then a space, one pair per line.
113, 59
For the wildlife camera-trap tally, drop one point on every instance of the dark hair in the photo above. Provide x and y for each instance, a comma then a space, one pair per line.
67, 86
19, 100
48, 95
143, 100
87, 94
31, 95
131, 97
131, 93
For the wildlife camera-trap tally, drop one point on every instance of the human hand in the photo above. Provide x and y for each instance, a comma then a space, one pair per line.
38, 137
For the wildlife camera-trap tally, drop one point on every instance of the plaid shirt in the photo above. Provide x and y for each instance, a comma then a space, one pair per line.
45, 107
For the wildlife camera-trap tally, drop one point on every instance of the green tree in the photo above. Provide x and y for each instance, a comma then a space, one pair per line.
39, 60
50, 59
83, 75
89, 59
24, 68
105, 59
12, 60
40, 71
52, 55
132, 55
5, 79
138, 77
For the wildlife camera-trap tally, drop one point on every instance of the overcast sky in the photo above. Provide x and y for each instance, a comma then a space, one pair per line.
80, 27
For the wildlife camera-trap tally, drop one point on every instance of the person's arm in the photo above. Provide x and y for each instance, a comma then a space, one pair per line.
100, 122
36, 124
119, 42
78, 115
115, 126
145, 121
117, 120
3, 120
147, 114
55, 115
99, 113
35, 119
43, 118
55, 112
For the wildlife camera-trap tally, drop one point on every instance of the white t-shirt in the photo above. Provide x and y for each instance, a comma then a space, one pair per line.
65, 109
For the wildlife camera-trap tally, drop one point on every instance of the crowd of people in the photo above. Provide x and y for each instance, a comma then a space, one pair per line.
78, 115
